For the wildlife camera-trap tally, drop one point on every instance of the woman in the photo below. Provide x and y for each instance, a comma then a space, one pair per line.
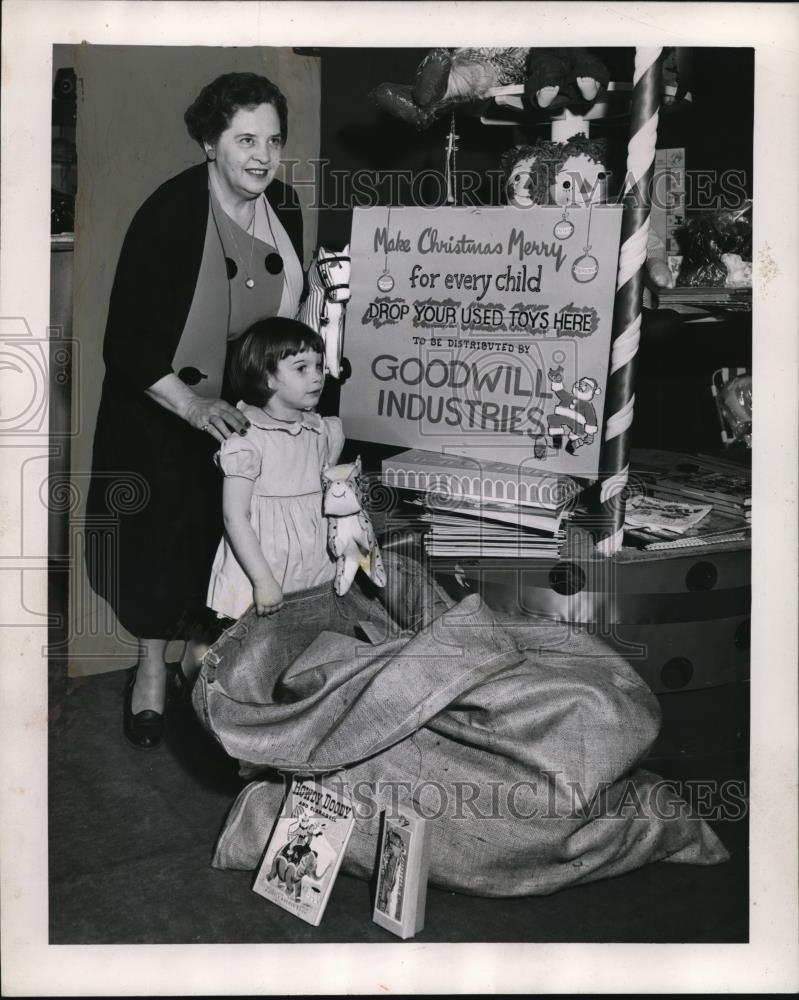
211, 251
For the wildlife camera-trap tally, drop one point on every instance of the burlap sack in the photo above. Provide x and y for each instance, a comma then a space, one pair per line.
519, 743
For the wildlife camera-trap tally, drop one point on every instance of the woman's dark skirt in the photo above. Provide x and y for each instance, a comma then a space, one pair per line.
154, 515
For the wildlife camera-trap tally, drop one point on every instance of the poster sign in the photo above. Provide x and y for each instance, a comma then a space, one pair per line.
482, 331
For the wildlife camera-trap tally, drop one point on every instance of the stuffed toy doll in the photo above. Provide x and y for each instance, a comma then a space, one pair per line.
557, 173
571, 174
350, 536
448, 78
558, 77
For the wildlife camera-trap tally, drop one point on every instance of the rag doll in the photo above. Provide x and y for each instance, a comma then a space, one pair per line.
556, 173
571, 174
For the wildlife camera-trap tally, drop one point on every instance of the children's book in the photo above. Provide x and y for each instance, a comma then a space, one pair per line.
669, 515
539, 519
403, 866
305, 850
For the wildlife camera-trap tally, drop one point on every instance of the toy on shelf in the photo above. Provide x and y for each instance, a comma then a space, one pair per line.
452, 78
323, 309
717, 249
520, 104
732, 392
563, 77
570, 173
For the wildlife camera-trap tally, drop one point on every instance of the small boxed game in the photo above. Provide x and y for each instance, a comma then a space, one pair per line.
403, 864
306, 849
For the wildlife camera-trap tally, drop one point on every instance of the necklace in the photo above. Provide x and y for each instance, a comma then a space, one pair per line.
273, 262
250, 281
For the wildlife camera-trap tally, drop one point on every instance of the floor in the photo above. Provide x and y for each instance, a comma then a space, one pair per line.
131, 834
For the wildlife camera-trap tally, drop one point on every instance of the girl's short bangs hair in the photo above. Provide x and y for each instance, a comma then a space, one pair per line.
261, 348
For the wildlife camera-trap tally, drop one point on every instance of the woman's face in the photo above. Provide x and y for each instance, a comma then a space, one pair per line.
247, 154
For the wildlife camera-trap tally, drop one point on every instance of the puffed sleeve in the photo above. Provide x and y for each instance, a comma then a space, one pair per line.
239, 456
334, 434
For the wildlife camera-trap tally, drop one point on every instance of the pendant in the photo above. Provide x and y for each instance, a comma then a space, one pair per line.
385, 282
250, 283
585, 268
563, 229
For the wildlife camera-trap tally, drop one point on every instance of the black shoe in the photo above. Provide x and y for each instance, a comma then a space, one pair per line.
144, 730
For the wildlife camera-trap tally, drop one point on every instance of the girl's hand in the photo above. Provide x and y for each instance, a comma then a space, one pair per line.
215, 417
267, 597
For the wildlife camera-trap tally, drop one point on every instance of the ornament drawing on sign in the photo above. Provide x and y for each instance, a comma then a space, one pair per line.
574, 419
586, 267
385, 282
563, 227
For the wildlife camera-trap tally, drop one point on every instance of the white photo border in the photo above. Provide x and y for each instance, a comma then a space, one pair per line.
769, 961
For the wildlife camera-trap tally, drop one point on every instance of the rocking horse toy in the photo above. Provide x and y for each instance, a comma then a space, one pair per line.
323, 309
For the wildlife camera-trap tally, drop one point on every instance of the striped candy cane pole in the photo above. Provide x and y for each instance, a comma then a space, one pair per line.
625, 335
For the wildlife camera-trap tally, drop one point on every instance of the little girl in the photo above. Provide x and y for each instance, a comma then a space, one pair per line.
275, 534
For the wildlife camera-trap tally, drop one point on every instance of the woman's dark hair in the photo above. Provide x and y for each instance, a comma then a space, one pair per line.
211, 112
260, 348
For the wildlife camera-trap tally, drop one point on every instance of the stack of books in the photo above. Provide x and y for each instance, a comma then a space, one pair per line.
709, 501
709, 297
474, 508
726, 486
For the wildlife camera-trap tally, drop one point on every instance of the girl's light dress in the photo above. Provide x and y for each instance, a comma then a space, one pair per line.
284, 461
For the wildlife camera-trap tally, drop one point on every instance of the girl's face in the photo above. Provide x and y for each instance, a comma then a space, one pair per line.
247, 154
296, 385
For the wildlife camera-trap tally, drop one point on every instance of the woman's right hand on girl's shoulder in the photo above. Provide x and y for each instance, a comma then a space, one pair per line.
267, 597
215, 417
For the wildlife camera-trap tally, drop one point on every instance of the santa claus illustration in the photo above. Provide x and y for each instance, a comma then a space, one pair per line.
574, 420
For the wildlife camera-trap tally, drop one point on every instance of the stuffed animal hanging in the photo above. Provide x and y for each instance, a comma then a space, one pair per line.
323, 309
447, 78
562, 77
350, 535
